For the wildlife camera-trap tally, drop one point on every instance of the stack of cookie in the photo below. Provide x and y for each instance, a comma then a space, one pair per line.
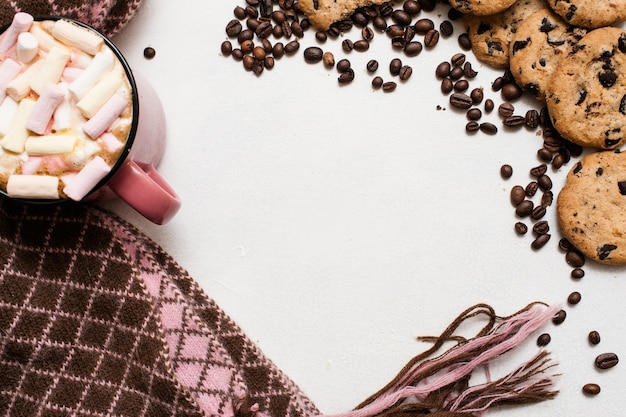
566, 54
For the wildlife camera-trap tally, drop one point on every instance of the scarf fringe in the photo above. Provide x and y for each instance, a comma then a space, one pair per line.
439, 386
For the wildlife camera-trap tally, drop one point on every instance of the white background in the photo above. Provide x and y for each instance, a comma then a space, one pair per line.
336, 224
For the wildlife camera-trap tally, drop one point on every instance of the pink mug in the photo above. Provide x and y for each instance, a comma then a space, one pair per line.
134, 177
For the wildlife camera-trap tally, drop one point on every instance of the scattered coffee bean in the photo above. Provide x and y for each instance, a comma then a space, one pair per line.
329, 59
343, 65
346, 76
233, 28
389, 86
477, 95
546, 198
412, 7
347, 45
321, 36
525, 208
521, 228
313, 54
456, 73
447, 86
401, 17
149, 52
468, 71
446, 28
292, 47
574, 258
532, 118
538, 212
577, 273
574, 298
268, 62
591, 389
278, 50
541, 228
464, 41
474, 114
531, 188
540, 241
539, 170
367, 33
443, 69
606, 360
372, 65
497, 84
461, 85
423, 26
457, 59
559, 317
227, 48
506, 109
377, 82
489, 105
511, 91
545, 182
361, 45
518, 194
461, 101
514, 121
544, 339
413, 48
405, 72
394, 66
259, 52
472, 126
544, 154
431, 38
488, 128
237, 54
594, 337
506, 171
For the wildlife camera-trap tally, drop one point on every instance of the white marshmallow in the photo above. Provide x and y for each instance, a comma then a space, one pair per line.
27, 47
47, 103
62, 119
8, 71
51, 70
21, 23
99, 94
8, 109
87, 178
50, 144
101, 65
107, 114
45, 40
14, 140
77, 36
33, 186
20, 86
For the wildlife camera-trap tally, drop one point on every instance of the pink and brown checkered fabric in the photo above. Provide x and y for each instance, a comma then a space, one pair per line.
96, 320
108, 16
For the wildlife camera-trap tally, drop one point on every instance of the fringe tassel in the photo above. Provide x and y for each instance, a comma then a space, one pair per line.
439, 386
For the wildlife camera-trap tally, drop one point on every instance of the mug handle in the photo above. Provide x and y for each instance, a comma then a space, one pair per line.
145, 190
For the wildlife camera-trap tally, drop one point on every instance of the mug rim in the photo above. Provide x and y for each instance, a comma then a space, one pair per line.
132, 133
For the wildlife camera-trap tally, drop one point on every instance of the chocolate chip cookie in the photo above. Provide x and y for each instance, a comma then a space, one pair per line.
586, 95
590, 14
491, 35
591, 207
481, 7
323, 13
540, 41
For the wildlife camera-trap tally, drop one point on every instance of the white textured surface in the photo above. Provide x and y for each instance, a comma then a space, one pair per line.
335, 224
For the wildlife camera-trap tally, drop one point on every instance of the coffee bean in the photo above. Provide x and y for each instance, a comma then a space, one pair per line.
539, 170
559, 317
328, 59
423, 26
546, 198
474, 114
506, 171
574, 258
259, 53
389, 86
268, 62
405, 72
518, 194
531, 188
477, 95
577, 273
394, 66
521, 228
446, 28
591, 389
461, 85
489, 105
346, 76
447, 85
413, 48
227, 48
532, 118
538, 212
544, 339
497, 84
264, 30
468, 71
506, 109
431, 38
247, 46
540, 241
380, 23
593, 337
239, 12
248, 62
511, 91
149, 52
541, 228
313, 54
428, 5
377, 82
412, 7
464, 41
488, 128
544, 154
443, 69
360, 19
278, 16
233, 28
372, 65
457, 59
395, 31
237, 54
361, 45
454, 14
606, 360
347, 45
574, 298
565, 244
514, 121
292, 47
558, 161
367, 33
251, 11
278, 50
472, 126
456, 73
343, 65
545, 182
321, 36
401, 17
409, 34
461, 101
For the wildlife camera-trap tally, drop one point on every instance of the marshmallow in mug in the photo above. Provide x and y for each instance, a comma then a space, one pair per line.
65, 109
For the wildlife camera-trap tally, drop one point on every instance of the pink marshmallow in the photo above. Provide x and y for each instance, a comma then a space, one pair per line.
112, 143
55, 163
71, 73
21, 23
31, 165
87, 178
8, 71
103, 119
43, 110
